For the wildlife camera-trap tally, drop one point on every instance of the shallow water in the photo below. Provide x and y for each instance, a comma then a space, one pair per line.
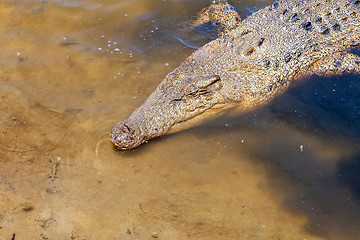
71, 69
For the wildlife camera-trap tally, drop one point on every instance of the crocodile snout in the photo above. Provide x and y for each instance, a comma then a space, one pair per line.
125, 135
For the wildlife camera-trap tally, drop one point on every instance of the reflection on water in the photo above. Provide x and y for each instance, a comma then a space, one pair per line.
72, 69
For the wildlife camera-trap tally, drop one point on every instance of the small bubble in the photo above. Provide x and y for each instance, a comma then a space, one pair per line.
117, 50
99, 48
166, 64
125, 14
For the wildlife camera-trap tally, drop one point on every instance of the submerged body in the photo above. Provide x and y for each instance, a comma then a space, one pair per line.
248, 65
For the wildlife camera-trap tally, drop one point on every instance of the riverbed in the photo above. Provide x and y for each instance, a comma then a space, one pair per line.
70, 70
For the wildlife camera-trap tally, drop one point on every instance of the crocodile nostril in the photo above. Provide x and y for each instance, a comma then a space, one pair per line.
125, 135
127, 128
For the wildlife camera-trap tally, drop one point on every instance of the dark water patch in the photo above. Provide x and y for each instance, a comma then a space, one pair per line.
309, 185
162, 24
349, 175
246, 8
327, 106
162, 27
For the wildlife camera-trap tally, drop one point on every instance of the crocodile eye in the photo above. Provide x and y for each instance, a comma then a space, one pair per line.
206, 82
191, 90
203, 85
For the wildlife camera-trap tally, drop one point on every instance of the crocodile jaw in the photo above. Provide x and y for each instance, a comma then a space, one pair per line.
132, 132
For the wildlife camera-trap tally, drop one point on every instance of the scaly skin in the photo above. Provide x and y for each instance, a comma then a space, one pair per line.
249, 65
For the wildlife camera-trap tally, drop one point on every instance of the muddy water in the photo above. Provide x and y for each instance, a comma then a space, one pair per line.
71, 69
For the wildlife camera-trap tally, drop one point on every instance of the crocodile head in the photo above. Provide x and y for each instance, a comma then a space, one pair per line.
180, 101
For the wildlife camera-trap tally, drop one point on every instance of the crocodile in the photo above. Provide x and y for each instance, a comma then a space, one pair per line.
249, 65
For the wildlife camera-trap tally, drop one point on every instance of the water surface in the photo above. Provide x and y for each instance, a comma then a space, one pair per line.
70, 70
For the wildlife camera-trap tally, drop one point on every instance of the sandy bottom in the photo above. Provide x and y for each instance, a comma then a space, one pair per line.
71, 70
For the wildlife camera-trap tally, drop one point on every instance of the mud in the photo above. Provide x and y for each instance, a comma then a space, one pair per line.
71, 70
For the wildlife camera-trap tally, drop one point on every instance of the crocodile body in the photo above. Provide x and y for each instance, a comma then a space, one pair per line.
249, 65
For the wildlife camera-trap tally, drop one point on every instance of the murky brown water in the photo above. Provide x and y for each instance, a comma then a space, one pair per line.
71, 69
